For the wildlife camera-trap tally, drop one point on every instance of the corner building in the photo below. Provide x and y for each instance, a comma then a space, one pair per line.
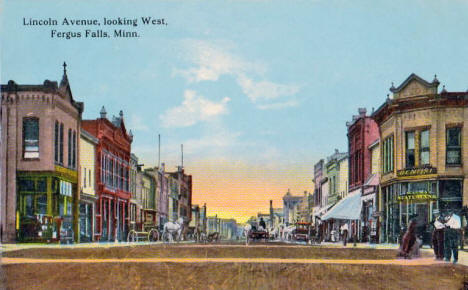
424, 156
39, 162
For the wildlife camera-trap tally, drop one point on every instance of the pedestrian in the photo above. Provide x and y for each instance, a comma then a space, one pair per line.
452, 237
438, 238
409, 242
354, 232
262, 224
344, 233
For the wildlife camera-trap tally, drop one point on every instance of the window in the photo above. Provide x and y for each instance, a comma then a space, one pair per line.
56, 142
424, 148
453, 146
70, 148
61, 144
410, 159
31, 138
84, 177
89, 179
388, 155
74, 150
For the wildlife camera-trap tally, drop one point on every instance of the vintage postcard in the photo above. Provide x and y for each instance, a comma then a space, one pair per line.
234, 144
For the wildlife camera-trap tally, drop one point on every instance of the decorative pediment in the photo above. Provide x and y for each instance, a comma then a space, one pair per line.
415, 86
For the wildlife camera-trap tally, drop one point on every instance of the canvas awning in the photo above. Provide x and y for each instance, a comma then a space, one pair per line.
322, 210
349, 208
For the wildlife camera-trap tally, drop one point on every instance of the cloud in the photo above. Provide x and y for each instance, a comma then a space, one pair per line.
194, 108
136, 123
212, 60
267, 91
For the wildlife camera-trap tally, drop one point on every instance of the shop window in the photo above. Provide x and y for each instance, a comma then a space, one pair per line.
424, 151
26, 185
42, 185
31, 138
410, 158
451, 189
453, 146
42, 204
29, 205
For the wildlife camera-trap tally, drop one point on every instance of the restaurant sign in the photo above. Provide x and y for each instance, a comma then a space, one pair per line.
416, 171
417, 195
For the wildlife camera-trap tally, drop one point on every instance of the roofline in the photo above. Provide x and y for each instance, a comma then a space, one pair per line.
85, 134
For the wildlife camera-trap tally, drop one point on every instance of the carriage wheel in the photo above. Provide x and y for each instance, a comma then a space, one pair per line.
153, 235
132, 236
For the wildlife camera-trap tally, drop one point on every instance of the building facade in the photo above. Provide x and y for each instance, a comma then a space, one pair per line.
88, 197
363, 131
424, 155
112, 176
291, 205
39, 153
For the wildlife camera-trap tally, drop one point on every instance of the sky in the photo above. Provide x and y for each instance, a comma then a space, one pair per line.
256, 91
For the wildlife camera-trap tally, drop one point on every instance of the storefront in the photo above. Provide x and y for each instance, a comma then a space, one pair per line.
419, 201
44, 207
87, 217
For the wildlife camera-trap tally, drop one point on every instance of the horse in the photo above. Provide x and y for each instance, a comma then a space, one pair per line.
247, 230
288, 232
170, 228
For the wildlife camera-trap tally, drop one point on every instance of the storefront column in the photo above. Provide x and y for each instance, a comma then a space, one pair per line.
76, 212
50, 210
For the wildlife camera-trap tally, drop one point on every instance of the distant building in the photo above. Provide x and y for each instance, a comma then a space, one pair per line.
291, 208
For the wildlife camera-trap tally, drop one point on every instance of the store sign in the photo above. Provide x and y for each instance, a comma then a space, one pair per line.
416, 171
417, 195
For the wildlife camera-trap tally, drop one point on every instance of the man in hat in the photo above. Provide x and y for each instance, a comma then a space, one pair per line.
452, 237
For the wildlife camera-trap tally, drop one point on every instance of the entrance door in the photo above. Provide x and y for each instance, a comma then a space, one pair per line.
422, 220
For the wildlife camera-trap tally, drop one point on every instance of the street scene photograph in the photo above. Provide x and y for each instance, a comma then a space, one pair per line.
234, 144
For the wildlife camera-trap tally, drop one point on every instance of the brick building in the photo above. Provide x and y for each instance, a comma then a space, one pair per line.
39, 158
112, 176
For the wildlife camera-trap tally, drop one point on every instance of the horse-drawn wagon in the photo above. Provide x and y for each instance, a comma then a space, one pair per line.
143, 231
302, 231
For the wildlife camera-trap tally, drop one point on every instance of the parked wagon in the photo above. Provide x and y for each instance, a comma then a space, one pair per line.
148, 232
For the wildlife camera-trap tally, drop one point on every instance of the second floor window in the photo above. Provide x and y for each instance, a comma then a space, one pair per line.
424, 152
387, 164
453, 146
70, 152
31, 138
410, 158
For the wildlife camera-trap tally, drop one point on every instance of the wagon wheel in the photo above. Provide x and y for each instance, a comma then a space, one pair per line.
132, 236
153, 235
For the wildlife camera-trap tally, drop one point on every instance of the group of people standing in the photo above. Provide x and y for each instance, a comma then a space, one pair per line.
445, 239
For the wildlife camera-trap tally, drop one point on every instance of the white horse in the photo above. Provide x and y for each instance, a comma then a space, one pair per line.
247, 230
170, 228
287, 232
